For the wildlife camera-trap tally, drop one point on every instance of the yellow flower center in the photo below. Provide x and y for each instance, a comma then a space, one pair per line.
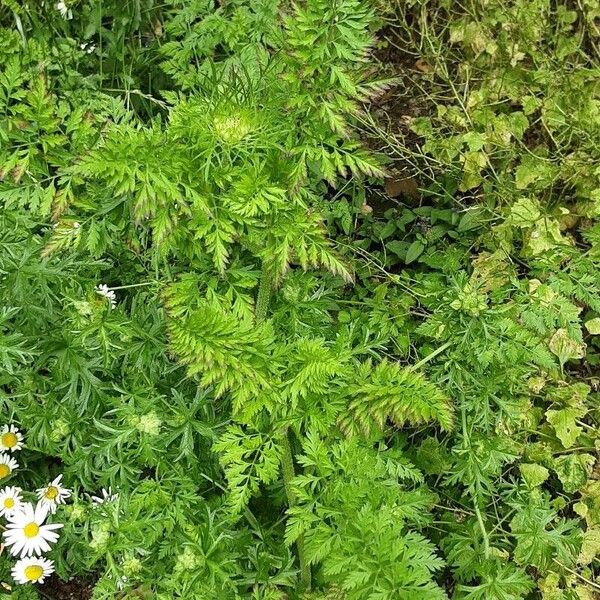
33, 572
9, 439
4, 471
31, 530
51, 492
9, 502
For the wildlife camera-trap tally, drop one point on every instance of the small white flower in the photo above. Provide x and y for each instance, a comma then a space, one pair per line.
103, 290
53, 494
11, 439
10, 501
121, 582
64, 10
107, 496
26, 533
7, 465
32, 570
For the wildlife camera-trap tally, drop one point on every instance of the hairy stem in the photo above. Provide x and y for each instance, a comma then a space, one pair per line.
264, 293
287, 468
263, 301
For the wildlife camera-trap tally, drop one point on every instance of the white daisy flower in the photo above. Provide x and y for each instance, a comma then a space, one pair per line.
26, 533
64, 10
7, 465
103, 290
53, 494
107, 496
10, 501
32, 570
11, 439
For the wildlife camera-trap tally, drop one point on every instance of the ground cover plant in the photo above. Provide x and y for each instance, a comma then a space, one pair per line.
300, 300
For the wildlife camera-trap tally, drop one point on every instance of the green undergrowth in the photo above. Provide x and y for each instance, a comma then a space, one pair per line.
305, 388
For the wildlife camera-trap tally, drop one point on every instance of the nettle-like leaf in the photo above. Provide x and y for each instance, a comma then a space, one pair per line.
565, 425
534, 474
573, 470
498, 582
541, 537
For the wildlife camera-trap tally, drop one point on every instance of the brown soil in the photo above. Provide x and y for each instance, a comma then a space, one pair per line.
79, 588
393, 111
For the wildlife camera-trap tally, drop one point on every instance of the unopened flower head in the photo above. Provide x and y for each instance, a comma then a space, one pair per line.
132, 566
149, 424
7, 465
60, 430
26, 534
100, 538
10, 501
11, 439
232, 128
32, 570
53, 494
187, 560
103, 290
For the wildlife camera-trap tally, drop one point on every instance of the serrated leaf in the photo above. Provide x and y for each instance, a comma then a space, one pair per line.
533, 474
573, 470
590, 547
565, 347
593, 326
565, 425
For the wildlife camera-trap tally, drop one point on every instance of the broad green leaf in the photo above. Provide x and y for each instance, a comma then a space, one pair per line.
533, 474
590, 547
593, 326
474, 163
573, 470
565, 425
414, 251
565, 347
525, 212
471, 219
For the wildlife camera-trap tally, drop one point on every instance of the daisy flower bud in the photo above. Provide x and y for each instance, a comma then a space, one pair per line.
107, 496
64, 10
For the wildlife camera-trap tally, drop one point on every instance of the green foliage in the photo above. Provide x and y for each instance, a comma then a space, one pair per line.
163, 334
298, 383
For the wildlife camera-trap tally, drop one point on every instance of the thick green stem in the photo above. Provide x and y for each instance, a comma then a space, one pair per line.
263, 301
467, 442
264, 293
287, 468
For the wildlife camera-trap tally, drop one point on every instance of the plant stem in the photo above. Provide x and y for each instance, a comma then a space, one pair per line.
287, 468
467, 443
263, 301
264, 293
429, 357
